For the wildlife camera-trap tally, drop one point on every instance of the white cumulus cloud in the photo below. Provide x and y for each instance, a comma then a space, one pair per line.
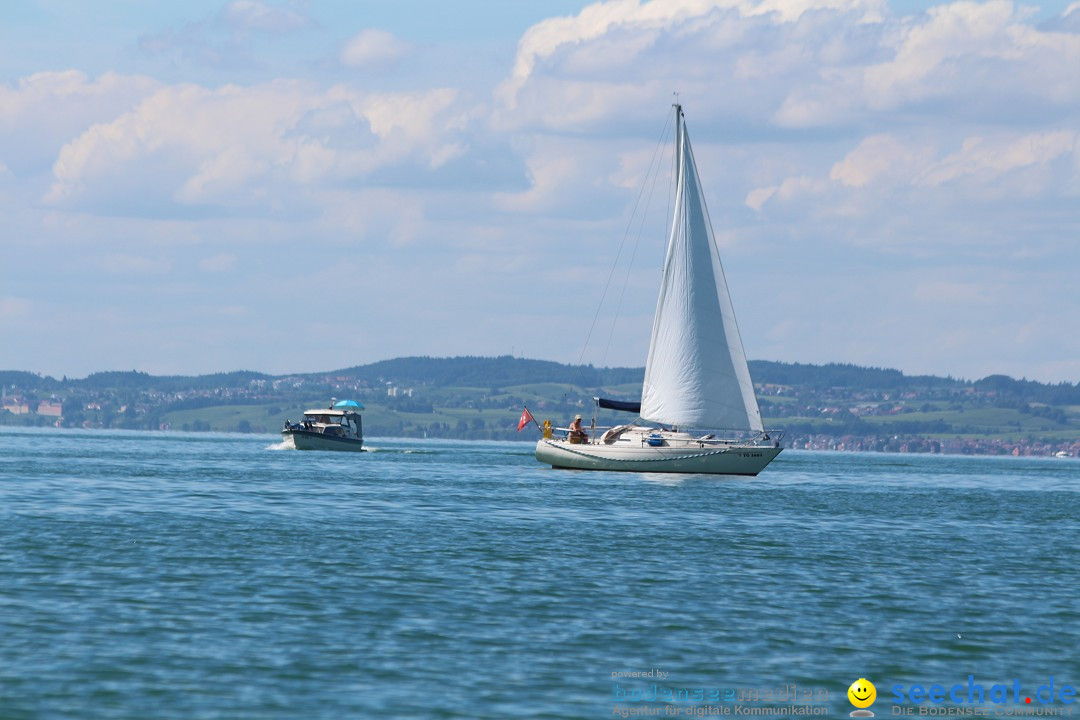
187, 144
995, 157
40, 112
882, 156
373, 48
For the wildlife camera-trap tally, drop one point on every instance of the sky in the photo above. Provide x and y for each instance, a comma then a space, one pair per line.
295, 186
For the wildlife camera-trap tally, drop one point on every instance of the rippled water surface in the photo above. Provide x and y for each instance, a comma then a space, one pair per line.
189, 576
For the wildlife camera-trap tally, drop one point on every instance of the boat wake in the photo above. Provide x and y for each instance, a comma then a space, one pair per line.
367, 448
398, 451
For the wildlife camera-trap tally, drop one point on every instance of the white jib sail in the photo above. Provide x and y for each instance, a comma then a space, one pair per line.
696, 374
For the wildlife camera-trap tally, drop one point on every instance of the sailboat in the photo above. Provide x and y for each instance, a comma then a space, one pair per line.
698, 412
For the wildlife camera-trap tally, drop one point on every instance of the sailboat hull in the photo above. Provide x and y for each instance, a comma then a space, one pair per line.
711, 459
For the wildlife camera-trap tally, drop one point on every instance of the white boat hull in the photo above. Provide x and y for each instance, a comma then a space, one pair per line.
712, 459
306, 440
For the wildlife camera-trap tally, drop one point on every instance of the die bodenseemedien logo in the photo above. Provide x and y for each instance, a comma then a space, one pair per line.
862, 694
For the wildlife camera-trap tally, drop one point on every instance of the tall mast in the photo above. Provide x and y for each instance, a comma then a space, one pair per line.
678, 144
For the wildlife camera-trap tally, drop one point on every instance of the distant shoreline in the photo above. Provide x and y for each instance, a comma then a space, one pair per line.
818, 407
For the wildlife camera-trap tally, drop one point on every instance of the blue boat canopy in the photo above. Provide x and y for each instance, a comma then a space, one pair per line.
348, 405
634, 407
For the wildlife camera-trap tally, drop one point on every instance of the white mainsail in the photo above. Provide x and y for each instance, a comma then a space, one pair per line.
696, 373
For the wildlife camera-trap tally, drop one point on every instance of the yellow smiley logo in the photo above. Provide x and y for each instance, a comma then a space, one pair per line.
862, 693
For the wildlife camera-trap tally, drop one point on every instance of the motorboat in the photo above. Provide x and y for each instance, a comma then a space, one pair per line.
337, 427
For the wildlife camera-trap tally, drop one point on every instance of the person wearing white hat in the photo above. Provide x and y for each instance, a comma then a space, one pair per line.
577, 433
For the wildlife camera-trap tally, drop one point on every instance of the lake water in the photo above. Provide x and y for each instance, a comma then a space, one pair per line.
147, 575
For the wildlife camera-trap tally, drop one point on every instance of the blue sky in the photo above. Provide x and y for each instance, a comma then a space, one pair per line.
301, 186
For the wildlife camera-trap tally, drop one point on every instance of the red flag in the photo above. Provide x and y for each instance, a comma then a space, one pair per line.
526, 418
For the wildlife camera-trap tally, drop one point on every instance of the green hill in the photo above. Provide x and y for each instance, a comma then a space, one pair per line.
481, 397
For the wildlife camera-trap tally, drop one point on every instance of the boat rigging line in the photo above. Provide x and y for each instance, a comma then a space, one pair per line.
629, 225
